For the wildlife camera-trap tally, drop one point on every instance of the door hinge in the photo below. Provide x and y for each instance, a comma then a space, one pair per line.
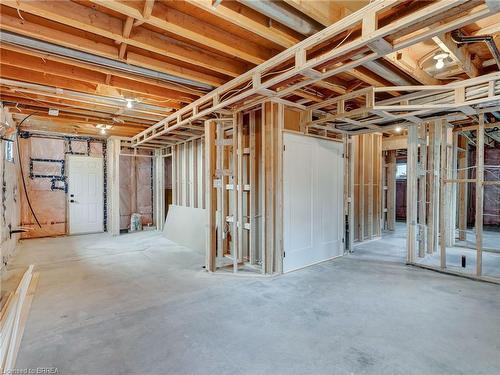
284, 254
284, 148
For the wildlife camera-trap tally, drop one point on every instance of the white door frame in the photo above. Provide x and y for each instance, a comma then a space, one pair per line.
70, 159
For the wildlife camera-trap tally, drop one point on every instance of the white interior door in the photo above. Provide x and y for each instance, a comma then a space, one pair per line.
85, 194
312, 200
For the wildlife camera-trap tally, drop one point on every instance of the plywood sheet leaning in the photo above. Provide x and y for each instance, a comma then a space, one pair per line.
186, 226
13, 318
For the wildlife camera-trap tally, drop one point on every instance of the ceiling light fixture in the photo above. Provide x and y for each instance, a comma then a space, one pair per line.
103, 128
129, 103
440, 57
397, 129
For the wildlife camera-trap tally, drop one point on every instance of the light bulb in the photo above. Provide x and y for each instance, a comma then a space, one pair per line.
129, 103
397, 129
103, 131
439, 64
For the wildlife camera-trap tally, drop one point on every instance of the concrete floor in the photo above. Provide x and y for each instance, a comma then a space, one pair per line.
392, 248
139, 304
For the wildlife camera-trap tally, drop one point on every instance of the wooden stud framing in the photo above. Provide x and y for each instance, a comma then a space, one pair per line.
479, 194
391, 189
253, 189
463, 163
211, 196
422, 190
411, 193
159, 190
254, 85
434, 183
113, 185
443, 194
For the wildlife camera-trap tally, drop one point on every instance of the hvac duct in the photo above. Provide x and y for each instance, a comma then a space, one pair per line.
8, 37
282, 15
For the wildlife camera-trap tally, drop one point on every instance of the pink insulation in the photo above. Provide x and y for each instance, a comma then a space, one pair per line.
50, 206
135, 188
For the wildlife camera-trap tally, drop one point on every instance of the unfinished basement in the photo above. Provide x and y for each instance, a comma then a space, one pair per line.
250, 187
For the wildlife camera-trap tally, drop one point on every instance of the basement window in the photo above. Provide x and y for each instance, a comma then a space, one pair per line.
9, 151
401, 171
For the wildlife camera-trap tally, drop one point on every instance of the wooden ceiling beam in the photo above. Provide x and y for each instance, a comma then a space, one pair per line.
69, 126
409, 66
107, 71
83, 116
244, 19
364, 74
63, 99
16, 73
80, 109
190, 28
80, 74
329, 12
142, 38
460, 55
73, 119
324, 12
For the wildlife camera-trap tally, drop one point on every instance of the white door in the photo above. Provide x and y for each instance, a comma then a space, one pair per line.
85, 194
313, 180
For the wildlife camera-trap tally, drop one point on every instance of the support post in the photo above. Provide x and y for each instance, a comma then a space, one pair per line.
443, 188
239, 187
175, 189
211, 196
253, 189
351, 152
422, 190
235, 207
479, 194
159, 190
411, 193
463, 163
391, 190
113, 185
434, 183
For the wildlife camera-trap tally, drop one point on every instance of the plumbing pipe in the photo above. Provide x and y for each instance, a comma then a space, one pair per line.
19, 40
459, 39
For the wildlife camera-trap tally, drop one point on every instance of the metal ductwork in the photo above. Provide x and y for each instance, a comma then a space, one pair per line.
282, 15
22, 41
27, 87
459, 39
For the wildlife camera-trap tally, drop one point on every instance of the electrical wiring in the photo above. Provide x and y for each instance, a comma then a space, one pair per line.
21, 168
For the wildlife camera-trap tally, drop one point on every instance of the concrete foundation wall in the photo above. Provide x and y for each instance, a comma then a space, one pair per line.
10, 207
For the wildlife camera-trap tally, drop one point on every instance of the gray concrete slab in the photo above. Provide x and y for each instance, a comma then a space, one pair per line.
139, 304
